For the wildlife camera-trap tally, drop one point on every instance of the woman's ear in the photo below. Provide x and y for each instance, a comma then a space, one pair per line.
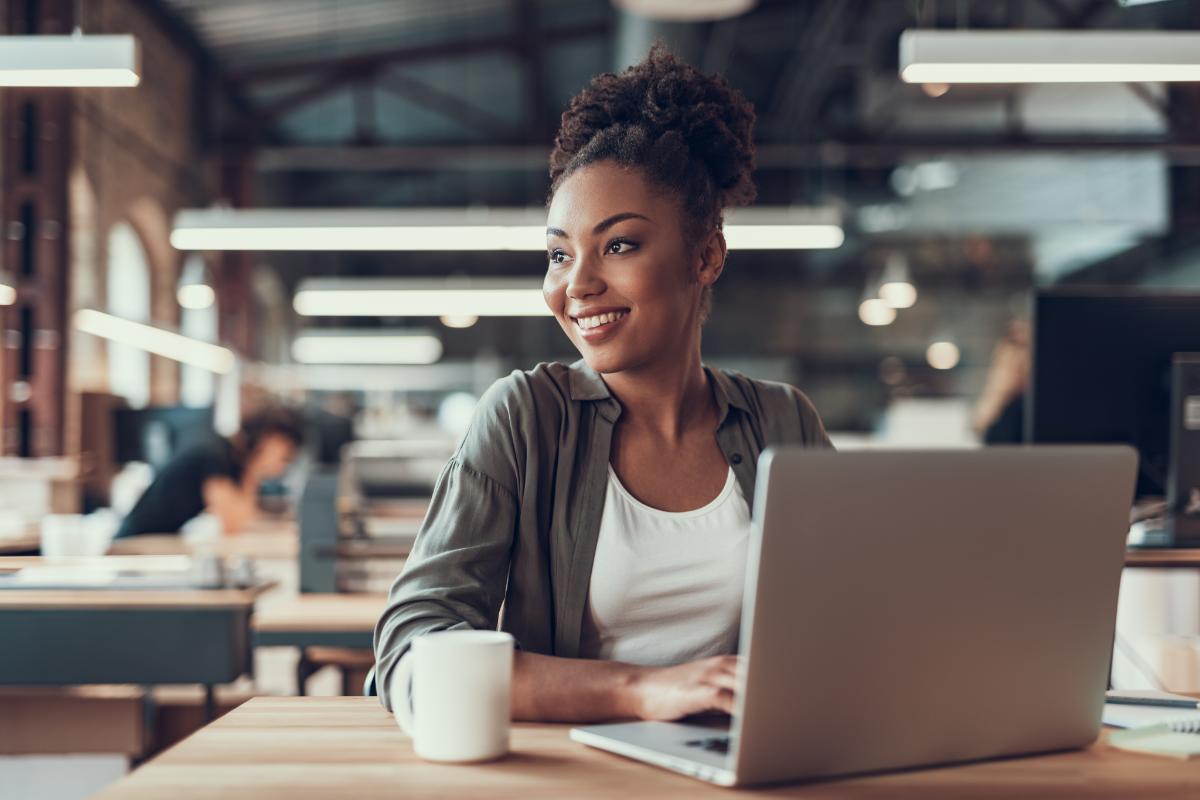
711, 258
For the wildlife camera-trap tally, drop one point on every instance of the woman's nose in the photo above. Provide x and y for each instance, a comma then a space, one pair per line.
584, 279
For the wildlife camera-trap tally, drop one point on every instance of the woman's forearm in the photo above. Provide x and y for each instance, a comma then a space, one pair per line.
552, 689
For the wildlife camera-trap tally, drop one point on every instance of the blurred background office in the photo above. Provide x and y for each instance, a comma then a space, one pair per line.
335, 205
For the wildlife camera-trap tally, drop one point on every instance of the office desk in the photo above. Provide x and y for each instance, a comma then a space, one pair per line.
292, 748
319, 621
100, 636
20, 544
252, 544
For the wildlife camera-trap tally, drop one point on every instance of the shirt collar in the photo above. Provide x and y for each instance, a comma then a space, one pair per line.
586, 384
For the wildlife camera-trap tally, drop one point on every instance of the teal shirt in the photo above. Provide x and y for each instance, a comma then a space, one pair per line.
511, 530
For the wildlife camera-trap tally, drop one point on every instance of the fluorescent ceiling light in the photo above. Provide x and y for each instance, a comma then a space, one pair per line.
383, 297
441, 377
783, 228
686, 10
360, 229
457, 229
78, 60
167, 344
366, 347
967, 56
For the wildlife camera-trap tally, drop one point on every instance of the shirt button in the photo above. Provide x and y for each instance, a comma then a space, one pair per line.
736, 458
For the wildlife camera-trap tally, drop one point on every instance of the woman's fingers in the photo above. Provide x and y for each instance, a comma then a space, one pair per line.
724, 679
724, 701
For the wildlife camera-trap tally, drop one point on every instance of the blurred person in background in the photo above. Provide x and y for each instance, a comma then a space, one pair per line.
999, 416
219, 476
604, 503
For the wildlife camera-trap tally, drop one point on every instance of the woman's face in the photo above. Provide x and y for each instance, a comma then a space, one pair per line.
622, 280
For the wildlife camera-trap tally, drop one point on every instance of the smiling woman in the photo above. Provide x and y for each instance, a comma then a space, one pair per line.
604, 504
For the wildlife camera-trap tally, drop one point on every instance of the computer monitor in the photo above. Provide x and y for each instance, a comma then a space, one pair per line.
156, 433
1102, 371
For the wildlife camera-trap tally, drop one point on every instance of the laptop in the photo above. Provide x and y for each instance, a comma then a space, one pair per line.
908, 609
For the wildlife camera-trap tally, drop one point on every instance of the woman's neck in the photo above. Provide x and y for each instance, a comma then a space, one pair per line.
665, 400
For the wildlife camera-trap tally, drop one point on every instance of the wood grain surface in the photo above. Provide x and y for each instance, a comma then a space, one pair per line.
297, 748
320, 612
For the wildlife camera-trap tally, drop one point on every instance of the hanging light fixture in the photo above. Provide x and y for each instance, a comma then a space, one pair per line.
686, 10
876, 312
75, 60
159, 341
970, 56
366, 347
459, 320
416, 297
195, 290
459, 229
8, 288
943, 354
896, 287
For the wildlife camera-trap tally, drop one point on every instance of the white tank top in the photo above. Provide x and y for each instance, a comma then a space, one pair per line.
666, 586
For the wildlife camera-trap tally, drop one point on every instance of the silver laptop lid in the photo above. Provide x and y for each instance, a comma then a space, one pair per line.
914, 608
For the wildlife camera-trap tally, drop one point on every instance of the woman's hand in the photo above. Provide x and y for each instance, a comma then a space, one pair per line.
669, 693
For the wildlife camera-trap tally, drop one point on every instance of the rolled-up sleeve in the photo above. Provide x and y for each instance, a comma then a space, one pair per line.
457, 573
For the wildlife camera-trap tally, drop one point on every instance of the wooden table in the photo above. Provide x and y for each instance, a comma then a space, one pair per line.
252, 544
309, 621
309, 747
318, 620
20, 544
1182, 558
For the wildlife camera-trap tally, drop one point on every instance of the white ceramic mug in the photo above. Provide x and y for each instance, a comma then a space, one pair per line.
73, 535
451, 693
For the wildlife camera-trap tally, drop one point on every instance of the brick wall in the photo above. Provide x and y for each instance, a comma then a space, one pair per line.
137, 159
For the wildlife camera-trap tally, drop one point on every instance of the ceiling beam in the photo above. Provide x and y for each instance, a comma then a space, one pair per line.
314, 91
831, 153
537, 100
182, 34
448, 105
507, 42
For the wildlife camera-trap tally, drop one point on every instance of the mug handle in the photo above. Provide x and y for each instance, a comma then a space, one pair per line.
402, 695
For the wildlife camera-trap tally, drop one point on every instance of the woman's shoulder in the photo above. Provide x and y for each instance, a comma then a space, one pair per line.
529, 392
519, 416
517, 406
780, 407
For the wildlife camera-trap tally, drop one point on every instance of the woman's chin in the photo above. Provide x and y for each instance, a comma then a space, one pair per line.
604, 362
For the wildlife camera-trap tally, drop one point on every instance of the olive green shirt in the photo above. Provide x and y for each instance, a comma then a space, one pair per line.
515, 514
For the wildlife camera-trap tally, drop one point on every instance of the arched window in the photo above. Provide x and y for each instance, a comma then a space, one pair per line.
197, 387
128, 295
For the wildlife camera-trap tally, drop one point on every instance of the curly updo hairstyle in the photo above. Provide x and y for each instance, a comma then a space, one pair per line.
688, 132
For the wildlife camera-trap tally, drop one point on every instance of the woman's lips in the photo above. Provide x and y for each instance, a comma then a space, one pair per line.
599, 326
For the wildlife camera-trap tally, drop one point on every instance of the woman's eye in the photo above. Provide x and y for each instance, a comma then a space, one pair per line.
557, 256
619, 246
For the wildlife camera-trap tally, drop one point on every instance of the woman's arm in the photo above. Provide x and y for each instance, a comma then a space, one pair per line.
233, 503
551, 689
457, 573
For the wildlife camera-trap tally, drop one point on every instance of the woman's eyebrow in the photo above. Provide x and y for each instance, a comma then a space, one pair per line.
604, 224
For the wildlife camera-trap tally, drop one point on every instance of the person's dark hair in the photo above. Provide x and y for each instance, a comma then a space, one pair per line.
264, 422
688, 132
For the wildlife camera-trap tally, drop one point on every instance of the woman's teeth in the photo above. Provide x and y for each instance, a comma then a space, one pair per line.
587, 323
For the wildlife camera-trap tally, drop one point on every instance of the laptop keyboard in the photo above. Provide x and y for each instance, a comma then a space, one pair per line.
713, 744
